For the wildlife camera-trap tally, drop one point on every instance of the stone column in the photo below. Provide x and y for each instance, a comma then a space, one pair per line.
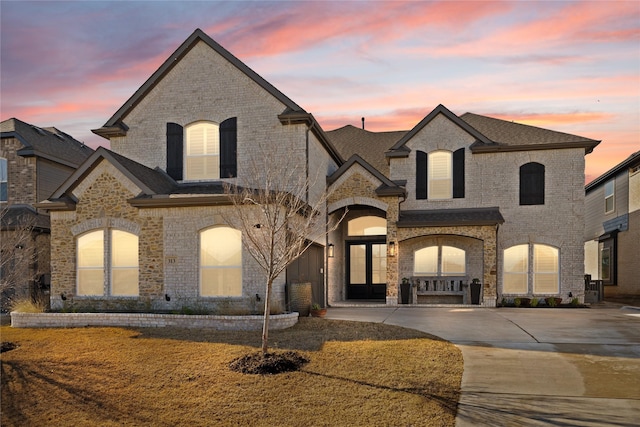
392, 261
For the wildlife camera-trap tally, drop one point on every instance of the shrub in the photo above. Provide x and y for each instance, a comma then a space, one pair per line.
575, 302
534, 302
517, 302
27, 305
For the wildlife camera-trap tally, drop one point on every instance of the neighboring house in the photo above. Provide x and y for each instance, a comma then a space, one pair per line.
33, 163
612, 231
453, 199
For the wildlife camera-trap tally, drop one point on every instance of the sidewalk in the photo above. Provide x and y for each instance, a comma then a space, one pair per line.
534, 367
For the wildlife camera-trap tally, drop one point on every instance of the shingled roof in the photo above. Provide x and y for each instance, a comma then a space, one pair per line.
450, 217
49, 143
371, 146
511, 136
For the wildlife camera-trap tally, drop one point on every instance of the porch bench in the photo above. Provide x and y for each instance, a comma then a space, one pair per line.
440, 290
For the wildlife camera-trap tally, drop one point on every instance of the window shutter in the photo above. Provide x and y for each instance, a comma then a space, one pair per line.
175, 149
458, 174
532, 184
421, 175
228, 148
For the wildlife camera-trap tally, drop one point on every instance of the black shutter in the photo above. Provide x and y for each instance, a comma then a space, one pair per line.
228, 148
458, 174
175, 146
532, 184
421, 175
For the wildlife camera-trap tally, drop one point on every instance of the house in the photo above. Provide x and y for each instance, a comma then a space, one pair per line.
33, 163
454, 199
612, 229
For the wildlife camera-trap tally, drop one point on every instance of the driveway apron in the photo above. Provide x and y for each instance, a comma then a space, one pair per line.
534, 367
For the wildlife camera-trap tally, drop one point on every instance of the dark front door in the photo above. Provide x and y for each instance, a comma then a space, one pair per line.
366, 270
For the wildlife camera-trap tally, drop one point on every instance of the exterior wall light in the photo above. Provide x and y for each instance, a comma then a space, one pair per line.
330, 250
392, 248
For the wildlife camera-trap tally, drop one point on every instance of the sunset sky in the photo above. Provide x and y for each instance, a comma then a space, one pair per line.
568, 66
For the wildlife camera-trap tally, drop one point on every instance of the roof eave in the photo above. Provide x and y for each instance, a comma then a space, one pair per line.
108, 132
166, 201
502, 148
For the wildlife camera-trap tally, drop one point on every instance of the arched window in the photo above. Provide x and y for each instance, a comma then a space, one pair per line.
440, 174
221, 262
531, 266
111, 250
439, 261
202, 148
367, 226
532, 184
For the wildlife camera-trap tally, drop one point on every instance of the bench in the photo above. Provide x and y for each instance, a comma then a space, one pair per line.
440, 290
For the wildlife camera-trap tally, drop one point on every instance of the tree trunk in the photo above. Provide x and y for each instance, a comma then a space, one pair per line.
265, 323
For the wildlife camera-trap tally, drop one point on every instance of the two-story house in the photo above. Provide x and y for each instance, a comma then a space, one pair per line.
454, 199
34, 161
612, 230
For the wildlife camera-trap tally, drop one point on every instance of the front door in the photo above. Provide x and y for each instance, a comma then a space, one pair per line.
366, 270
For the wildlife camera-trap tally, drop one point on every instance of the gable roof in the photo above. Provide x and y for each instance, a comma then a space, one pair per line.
510, 136
114, 125
371, 146
386, 188
632, 161
150, 181
48, 143
400, 150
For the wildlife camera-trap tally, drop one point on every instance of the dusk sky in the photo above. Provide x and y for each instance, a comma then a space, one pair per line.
568, 66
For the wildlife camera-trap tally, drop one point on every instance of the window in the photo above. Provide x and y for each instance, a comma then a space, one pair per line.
439, 261
221, 262
202, 143
4, 184
440, 175
532, 184
367, 226
205, 151
609, 196
532, 265
440, 180
119, 252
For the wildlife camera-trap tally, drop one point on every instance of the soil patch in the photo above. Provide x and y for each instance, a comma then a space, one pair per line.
269, 363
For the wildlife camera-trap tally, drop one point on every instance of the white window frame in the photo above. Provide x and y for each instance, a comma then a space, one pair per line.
610, 197
210, 153
440, 261
433, 179
109, 270
223, 289
4, 179
533, 271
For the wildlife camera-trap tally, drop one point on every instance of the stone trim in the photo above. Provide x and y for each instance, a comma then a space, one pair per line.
151, 320
101, 223
366, 201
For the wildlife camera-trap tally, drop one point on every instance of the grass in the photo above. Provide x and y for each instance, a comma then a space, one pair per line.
358, 374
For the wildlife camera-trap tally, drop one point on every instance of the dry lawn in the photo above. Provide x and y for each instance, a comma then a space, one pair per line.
360, 374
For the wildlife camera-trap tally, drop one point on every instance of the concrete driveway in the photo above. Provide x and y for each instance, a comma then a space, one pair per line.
534, 367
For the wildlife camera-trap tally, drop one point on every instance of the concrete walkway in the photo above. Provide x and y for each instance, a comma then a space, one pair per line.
534, 367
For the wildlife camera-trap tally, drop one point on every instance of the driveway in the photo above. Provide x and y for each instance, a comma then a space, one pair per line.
534, 367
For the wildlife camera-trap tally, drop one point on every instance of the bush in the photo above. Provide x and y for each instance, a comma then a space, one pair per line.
27, 305
534, 302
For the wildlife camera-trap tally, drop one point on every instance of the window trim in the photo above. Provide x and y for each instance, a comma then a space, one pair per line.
202, 267
611, 196
209, 126
439, 262
4, 180
531, 270
107, 264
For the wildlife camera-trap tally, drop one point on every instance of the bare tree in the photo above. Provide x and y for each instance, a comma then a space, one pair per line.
281, 211
18, 254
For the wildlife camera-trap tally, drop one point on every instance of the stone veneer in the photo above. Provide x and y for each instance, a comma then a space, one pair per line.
151, 320
102, 204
